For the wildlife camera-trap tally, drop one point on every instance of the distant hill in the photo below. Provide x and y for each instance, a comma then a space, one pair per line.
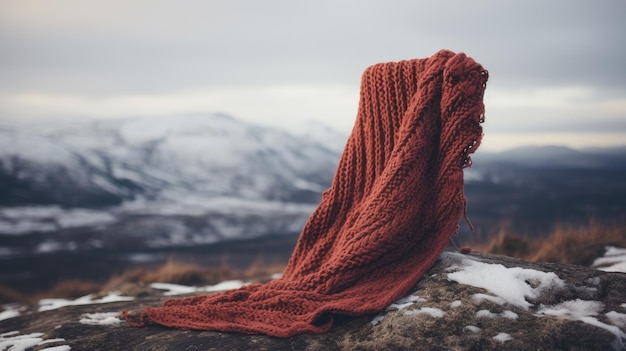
156, 182
558, 157
528, 190
103, 163
137, 183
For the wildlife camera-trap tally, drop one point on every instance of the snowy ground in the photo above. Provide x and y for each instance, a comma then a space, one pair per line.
14, 341
614, 260
511, 288
516, 287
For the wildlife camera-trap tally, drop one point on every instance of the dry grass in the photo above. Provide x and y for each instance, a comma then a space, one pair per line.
172, 271
8, 295
71, 289
567, 244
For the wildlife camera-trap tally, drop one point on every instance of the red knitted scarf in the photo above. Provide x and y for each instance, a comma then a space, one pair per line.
396, 200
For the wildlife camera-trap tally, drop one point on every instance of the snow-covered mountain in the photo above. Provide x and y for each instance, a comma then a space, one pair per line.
140, 183
177, 180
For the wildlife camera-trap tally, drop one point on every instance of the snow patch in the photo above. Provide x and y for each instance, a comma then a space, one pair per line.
574, 309
433, 312
509, 314
57, 348
488, 314
405, 302
53, 304
485, 314
104, 318
14, 341
400, 304
9, 314
456, 304
503, 337
513, 285
11, 311
614, 251
614, 260
176, 289
478, 298
226, 285
583, 311
618, 319
473, 328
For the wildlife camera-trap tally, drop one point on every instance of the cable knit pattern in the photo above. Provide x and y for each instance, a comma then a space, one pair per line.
396, 200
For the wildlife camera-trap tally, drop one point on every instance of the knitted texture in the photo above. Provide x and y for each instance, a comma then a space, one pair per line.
395, 201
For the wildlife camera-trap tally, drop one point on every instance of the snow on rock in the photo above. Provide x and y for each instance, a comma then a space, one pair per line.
489, 314
176, 289
431, 311
57, 348
406, 302
104, 318
575, 309
618, 319
401, 304
584, 311
478, 298
6, 314
485, 314
614, 260
503, 337
11, 311
14, 341
225, 285
513, 285
473, 328
53, 304
435, 314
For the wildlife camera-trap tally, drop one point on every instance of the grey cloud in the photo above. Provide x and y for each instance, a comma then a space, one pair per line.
153, 46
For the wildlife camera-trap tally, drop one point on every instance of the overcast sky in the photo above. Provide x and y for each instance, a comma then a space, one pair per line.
557, 68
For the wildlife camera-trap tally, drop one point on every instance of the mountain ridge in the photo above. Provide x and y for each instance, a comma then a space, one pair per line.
147, 186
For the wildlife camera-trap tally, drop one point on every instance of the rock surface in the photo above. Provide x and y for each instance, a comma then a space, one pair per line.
465, 302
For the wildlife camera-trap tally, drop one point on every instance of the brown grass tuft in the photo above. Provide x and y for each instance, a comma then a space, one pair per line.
580, 244
8, 295
567, 244
511, 244
69, 289
174, 272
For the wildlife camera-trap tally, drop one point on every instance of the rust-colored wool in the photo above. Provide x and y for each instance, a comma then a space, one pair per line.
396, 200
